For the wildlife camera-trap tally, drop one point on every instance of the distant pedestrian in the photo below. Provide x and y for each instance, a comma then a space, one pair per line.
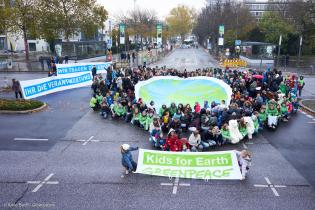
301, 85
16, 87
94, 71
66, 59
127, 161
128, 57
133, 57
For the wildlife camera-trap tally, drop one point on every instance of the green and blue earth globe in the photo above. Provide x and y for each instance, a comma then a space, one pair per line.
165, 90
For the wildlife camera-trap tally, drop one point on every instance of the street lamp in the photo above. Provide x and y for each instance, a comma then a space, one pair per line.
300, 48
279, 46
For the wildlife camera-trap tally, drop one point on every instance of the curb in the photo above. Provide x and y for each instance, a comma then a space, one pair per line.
311, 111
44, 106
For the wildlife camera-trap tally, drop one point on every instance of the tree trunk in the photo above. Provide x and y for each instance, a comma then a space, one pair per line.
25, 45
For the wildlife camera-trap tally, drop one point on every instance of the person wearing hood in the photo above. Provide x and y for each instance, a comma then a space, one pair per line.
127, 161
152, 107
173, 109
172, 142
162, 110
197, 107
206, 105
143, 119
93, 103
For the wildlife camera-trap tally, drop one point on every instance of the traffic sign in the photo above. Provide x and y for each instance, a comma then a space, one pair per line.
238, 42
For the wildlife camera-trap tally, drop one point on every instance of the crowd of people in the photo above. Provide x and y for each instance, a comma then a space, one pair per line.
259, 100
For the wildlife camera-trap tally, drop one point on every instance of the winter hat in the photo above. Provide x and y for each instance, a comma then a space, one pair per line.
171, 130
125, 146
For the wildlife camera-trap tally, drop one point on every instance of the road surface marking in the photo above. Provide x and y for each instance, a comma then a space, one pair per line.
311, 122
41, 183
272, 186
85, 142
175, 185
29, 139
244, 145
309, 116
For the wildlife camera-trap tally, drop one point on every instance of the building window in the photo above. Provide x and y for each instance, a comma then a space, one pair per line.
32, 47
2, 41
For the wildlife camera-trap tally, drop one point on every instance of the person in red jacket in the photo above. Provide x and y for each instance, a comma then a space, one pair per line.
197, 107
172, 142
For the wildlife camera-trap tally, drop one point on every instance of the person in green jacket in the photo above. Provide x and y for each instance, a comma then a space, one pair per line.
226, 133
283, 88
99, 98
149, 120
242, 127
262, 117
256, 121
162, 110
118, 110
143, 119
272, 109
93, 103
173, 109
135, 117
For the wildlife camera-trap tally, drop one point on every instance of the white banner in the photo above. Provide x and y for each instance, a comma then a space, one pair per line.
195, 165
72, 68
44, 86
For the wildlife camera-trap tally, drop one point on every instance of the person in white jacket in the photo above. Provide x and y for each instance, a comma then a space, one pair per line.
195, 141
244, 159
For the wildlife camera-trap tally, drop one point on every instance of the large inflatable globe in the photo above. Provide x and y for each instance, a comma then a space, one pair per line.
165, 90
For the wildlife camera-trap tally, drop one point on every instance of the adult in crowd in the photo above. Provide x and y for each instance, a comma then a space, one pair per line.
258, 100
16, 87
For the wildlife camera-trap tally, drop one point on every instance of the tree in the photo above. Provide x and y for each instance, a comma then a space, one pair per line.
69, 17
180, 21
94, 21
237, 21
24, 19
272, 25
140, 23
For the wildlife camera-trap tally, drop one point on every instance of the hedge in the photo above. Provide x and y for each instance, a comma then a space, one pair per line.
19, 105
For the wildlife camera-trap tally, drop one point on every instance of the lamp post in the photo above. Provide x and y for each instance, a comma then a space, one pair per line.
279, 46
299, 56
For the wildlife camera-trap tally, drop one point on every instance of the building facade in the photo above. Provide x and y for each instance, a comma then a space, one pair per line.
258, 8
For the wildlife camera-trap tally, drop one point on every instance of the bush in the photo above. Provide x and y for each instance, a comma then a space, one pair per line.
19, 105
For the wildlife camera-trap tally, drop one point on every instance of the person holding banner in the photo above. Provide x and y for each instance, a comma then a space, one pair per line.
94, 71
127, 162
244, 159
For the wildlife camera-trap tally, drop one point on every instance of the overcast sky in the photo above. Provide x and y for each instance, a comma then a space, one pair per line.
162, 7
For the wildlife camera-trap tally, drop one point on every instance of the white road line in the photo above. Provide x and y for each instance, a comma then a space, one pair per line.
167, 184
260, 185
88, 140
280, 186
309, 116
274, 191
244, 145
272, 186
267, 180
311, 122
29, 139
175, 185
41, 183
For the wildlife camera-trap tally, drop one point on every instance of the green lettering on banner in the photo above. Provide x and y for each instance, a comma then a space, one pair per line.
184, 160
191, 173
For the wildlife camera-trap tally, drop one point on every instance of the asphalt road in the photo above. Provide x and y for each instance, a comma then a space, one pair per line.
82, 175
189, 59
